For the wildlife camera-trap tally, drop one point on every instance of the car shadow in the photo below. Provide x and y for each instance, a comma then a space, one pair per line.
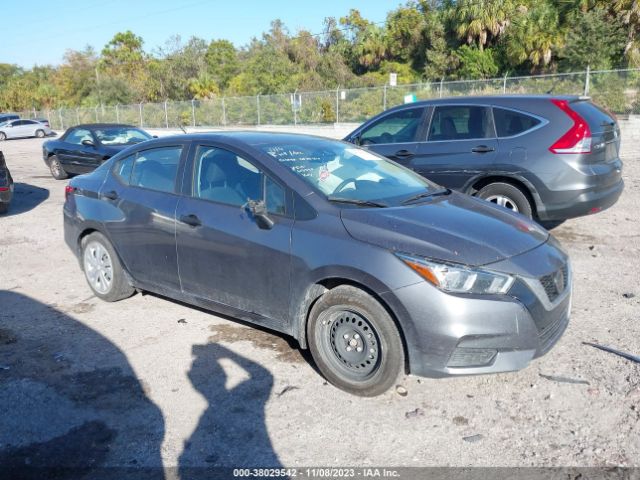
231, 433
71, 405
26, 197
283, 340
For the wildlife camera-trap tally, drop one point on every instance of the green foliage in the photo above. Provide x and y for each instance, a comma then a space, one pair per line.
593, 41
476, 63
222, 62
421, 40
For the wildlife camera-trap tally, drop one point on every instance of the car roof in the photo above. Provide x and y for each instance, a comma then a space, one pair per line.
93, 126
484, 99
247, 137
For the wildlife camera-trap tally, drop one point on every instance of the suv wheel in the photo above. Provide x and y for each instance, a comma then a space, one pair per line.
103, 270
355, 342
508, 196
56, 169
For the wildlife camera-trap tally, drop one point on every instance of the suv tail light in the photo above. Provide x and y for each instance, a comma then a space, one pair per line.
68, 190
578, 138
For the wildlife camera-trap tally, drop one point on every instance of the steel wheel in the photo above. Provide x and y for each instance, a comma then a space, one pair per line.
351, 343
98, 267
355, 342
503, 201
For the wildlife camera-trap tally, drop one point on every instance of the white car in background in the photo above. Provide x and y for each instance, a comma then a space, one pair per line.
22, 128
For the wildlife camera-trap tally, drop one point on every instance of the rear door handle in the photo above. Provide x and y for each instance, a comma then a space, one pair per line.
191, 219
112, 195
403, 154
482, 149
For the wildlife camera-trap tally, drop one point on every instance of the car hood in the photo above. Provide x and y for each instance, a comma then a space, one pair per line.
454, 228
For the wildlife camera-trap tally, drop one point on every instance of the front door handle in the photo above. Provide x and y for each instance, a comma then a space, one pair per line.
482, 149
112, 195
191, 219
403, 154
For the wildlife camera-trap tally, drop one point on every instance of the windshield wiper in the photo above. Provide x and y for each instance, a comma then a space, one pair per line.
444, 191
355, 201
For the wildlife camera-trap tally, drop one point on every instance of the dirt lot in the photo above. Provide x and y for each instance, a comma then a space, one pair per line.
148, 381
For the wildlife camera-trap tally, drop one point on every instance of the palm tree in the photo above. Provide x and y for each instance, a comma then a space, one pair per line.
534, 35
371, 47
481, 20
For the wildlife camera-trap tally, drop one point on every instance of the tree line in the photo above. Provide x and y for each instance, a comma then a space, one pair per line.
420, 40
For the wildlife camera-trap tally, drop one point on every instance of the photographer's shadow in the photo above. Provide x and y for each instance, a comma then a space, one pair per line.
231, 432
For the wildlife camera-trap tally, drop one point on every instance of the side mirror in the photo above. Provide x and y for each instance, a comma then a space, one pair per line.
155, 136
259, 211
88, 143
356, 139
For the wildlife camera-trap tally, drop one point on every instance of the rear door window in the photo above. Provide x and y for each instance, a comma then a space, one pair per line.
156, 169
460, 122
397, 127
510, 123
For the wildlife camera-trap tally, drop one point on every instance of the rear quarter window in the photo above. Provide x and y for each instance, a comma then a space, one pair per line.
510, 123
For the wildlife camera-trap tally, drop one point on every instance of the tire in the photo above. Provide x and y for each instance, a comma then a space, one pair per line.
348, 318
102, 269
40, 133
3, 136
508, 196
56, 168
4, 207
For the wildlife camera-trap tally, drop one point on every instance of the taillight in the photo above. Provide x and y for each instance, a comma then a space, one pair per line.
68, 190
578, 137
4, 189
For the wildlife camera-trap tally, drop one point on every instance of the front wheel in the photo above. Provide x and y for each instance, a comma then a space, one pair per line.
355, 342
103, 270
508, 196
3, 136
57, 171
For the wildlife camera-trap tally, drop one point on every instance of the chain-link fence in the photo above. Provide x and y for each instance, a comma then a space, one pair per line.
616, 90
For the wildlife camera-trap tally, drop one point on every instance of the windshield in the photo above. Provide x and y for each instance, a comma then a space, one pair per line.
121, 135
343, 171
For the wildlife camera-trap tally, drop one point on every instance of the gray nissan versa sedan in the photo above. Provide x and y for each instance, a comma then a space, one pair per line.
374, 268
547, 157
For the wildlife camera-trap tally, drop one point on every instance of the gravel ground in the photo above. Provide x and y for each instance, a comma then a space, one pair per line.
149, 381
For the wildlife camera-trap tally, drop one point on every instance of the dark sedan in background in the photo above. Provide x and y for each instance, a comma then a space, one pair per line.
6, 185
83, 148
546, 157
363, 261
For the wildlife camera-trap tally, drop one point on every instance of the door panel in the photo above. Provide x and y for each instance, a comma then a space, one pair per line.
76, 157
142, 225
461, 143
223, 255
230, 260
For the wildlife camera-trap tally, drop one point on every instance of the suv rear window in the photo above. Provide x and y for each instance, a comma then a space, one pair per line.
510, 123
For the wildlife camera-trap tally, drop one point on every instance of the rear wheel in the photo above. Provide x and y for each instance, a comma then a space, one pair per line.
56, 169
103, 270
355, 342
4, 207
508, 196
40, 133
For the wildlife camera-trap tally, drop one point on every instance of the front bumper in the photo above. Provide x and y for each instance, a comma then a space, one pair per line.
464, 335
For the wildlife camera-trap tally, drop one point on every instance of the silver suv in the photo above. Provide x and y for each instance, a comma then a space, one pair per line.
547, 157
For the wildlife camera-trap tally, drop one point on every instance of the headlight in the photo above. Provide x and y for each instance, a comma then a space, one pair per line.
458, 278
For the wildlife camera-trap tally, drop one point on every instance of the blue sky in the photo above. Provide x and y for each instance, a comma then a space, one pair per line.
39, 31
